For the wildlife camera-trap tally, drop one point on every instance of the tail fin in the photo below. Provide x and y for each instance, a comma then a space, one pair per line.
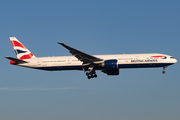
21, 51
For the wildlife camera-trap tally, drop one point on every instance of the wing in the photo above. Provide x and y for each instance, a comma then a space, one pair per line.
85, 58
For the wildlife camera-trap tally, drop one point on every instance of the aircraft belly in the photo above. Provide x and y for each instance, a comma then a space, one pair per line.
53, 68
143, 65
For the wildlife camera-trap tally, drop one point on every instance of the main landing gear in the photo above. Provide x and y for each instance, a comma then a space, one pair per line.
164, 69
91, 74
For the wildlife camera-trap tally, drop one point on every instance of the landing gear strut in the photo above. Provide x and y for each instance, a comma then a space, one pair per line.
91, 74
91, 71
164, 69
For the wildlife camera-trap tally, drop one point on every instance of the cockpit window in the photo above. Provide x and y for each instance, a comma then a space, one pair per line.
164, 58
171, 57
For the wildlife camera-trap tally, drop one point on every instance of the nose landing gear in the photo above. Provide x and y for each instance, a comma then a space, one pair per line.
164, 69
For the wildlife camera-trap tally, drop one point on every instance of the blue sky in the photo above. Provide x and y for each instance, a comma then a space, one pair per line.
94, 27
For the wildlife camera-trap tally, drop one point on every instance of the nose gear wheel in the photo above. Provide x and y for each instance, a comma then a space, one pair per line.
164, 69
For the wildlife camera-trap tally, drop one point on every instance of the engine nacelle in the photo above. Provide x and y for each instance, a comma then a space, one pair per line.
111, 72
110, 64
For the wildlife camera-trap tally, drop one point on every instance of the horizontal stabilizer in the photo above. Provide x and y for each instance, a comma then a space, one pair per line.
16, 60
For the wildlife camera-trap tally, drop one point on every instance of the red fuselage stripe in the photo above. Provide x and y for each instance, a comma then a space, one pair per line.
158, 56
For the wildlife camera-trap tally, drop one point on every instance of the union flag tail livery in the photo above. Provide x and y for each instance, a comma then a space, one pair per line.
21, 51
108, 64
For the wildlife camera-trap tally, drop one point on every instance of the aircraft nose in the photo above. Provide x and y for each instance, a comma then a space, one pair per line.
175, 61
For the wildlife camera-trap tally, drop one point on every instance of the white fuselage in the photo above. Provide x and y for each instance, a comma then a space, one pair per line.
108, 64
123, 61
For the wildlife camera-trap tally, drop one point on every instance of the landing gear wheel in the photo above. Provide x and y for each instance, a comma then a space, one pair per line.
164, 69
92, 76
87, 73
95, 76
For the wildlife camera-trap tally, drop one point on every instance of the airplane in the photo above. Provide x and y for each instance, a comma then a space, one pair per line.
108, 64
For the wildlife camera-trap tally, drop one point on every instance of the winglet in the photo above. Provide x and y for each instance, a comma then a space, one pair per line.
67, 47
60, 43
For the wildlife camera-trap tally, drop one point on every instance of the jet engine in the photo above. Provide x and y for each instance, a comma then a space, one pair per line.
111, 67
111, 72
110, 64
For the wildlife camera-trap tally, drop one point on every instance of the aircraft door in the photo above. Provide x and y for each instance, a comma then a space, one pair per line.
39, 61
69, 60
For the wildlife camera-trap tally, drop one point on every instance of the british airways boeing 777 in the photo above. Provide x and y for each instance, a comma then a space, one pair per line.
109, 64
